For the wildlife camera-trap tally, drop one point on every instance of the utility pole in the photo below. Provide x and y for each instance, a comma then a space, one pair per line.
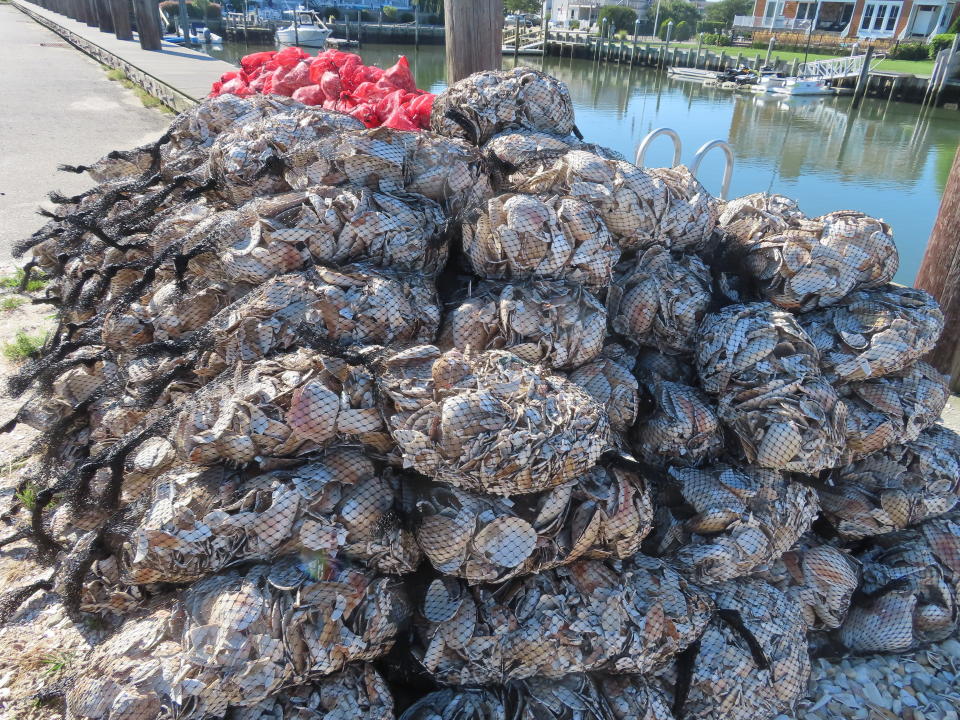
474, 36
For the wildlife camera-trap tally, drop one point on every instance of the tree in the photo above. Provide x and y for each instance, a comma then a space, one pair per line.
676, 10
682, 31
725, 10
534, 7
619, 17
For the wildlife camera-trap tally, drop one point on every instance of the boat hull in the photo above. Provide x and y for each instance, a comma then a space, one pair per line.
306, 36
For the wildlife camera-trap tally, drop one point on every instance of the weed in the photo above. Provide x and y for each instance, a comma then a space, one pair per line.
148, 100
116, 74
28, 496
11, 302
56, 662
23, 346
38, 281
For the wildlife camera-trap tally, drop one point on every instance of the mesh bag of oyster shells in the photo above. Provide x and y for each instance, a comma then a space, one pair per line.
577, 618
490, 422
610, 381
721, 522
820, 578
682, 429
606, 513
873, 333
573, 697
657, 300
909, 592
896, 487
751, 661
517, 237
200, 521
801, 264
557, 324
666, 207
486, 103
237, 639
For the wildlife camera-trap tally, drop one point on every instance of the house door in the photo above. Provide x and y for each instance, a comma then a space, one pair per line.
925, 18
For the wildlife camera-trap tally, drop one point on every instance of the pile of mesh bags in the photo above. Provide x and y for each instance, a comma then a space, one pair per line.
342, 422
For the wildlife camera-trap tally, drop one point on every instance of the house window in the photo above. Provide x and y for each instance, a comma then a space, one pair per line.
806, 10
880, 16
867, 17
892, 18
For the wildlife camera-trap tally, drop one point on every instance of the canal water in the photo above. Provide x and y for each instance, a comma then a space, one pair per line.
884, 159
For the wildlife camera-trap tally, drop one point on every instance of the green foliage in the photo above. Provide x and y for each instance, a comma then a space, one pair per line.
940, 42
329, 11
909, 51
27, 496
955, 27
405, 17
662, 32
723, 12
622, 34
196, 9
682, 31
12, 302
38, 281
621, 18
534, 7
23, 346
57, 662
717, 39
389, 13
677, 10
574, 24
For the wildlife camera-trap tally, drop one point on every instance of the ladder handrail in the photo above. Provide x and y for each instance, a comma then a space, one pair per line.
645, 143
727, 169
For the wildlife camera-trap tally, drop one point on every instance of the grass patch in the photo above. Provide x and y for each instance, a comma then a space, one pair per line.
56, 662
38, 281
148, 100
913, 67
23, 346
11, 302
27, 496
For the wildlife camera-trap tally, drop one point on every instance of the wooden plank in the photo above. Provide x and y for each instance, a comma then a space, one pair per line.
940, 276
474, 36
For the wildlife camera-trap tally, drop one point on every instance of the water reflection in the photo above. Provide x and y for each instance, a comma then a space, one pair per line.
883, 158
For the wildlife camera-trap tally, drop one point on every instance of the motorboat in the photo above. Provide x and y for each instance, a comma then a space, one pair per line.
768, 83
199, 35
802, 86
307, 29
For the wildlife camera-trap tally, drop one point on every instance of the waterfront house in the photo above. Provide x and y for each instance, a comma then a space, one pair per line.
585, 12
888, 19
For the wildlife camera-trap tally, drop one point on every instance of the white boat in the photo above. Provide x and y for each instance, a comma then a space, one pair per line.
801, 86
307, 29
768, 83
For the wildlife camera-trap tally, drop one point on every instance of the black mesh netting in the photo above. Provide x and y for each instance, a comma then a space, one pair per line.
479, 423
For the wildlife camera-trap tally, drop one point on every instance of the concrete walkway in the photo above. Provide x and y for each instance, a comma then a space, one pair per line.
59, 107
177, 75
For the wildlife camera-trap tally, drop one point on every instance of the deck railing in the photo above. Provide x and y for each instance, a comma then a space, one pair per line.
770, 23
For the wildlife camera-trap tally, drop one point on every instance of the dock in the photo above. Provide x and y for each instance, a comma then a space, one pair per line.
179, 76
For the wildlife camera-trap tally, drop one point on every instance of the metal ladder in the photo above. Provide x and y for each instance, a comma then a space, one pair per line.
697, 158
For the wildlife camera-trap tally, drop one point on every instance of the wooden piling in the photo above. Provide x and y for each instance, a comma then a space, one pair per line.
516, 38
796, 67
104, 16
474, 36
416, 26
148, 24
940, 276
861, 86
120, 10
91, 14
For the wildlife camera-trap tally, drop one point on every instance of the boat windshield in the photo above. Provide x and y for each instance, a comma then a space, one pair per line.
305, 18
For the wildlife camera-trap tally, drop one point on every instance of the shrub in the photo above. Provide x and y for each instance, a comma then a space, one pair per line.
662, 33
367, 15
622, 34
405, 17
621, 18
574, 24
909, 51
682, 31
389, 13
940, 42
718, 39
955, 28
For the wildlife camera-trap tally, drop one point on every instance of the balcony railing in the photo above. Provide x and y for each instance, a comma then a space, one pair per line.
770, 23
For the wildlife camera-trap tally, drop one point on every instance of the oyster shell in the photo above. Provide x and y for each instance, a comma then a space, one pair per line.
556, 324
606, 513
683, 428
611, 383
490, 422
722, 522
873, 333
893, 409
479, 106
727, 682
896, 487
576, 618
519, 237
658, 301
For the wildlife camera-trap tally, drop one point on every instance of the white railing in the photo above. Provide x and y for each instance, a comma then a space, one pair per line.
836, 68
770, 23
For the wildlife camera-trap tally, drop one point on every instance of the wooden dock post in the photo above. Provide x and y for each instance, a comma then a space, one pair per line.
770, 45
516, 38
946, 69
474, 36
148, 24
416, 26
861, 86
796, 67
90, 15
359, 27
104, 16
939, 275
120, 10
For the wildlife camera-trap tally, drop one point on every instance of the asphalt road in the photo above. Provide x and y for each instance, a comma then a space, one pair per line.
58, 107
